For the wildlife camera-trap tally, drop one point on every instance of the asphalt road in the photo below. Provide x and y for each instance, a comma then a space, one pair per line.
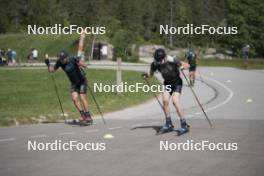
232, 98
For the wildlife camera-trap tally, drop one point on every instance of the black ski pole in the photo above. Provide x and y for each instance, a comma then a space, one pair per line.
97, 105
207, 118
162, 107
57, 93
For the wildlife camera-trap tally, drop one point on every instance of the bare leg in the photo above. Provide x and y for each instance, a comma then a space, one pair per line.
191, 75
246, 63
76, 101
177, 104
84, 102
168, 126
166, 99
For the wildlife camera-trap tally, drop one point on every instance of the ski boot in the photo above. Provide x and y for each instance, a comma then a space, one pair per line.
86, 119
184, 128
167, 127
184, 124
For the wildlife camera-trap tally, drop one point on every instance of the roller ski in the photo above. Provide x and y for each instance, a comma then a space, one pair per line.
79, 123
85, 120
185, 128
182, 131
166, 128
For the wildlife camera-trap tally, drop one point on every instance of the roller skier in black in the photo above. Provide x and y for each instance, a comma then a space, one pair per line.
169, 69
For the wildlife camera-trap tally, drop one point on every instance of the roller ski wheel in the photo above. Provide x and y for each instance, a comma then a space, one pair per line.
79, 122
86, 121
75, 121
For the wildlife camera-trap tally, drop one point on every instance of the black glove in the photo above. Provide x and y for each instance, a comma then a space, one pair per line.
47, 62
145, 75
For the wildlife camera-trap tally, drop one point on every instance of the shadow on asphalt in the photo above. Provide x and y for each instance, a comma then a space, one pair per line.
154, 127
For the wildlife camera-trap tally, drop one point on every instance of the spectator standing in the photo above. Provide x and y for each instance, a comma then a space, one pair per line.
104, 52
35, 54
245, 55
9, 55
13, 56
2, 55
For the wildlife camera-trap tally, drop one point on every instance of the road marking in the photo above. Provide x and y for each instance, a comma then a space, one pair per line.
230, 96
7, 139
156, 122
38, 136
66, 133
249, 100
108, 136
91, 131
229, 81
113, 128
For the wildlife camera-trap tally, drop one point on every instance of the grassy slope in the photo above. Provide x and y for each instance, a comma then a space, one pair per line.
29, 93
22, 43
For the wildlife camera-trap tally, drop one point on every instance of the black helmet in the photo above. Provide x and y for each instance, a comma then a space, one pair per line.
62, 55
159, 55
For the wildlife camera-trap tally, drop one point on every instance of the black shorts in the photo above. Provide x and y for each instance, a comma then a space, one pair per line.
80, 88
192, 68
174, 88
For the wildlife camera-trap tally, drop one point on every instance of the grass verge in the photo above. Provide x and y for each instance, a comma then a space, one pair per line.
27, 95
51, 44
